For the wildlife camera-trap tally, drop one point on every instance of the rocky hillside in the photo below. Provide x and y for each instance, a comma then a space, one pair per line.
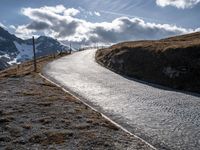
14, 50
173, 62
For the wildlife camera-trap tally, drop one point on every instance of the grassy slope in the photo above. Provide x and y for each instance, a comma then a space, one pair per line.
173, 62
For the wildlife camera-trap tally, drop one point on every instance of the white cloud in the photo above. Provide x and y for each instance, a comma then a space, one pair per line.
177, 3
23, 32
66, 27
56, 9
97, 13
71, 12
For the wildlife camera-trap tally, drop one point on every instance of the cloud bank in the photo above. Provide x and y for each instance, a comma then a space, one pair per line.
177, 3
63, 23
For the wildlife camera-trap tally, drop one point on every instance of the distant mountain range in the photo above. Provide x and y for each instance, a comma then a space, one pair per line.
14, 50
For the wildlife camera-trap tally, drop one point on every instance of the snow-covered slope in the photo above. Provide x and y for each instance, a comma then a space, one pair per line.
14, 50
25, 51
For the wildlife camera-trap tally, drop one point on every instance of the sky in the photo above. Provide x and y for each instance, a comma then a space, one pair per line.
100, 21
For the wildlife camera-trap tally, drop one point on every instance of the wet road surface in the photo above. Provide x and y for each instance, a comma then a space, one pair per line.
165, 118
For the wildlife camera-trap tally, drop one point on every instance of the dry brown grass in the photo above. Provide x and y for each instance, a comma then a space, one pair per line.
148, 60
51, 137
27, 67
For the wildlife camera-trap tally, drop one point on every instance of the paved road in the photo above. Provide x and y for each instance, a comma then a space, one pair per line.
166, 119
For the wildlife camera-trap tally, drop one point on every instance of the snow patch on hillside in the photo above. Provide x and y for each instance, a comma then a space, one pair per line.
5, 56
13, 62
10, 61
25, 51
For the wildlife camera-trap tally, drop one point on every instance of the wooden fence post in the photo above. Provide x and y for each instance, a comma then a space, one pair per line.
70, 51
34, 56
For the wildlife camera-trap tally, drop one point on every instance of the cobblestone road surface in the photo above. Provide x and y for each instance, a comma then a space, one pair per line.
165, 118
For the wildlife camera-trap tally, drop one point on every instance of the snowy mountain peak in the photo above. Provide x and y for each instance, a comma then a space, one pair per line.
14, 50
43, 38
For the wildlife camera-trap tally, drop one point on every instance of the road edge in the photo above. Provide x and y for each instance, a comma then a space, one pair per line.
104, 116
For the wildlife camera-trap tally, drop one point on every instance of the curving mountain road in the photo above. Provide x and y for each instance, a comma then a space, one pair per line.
166, 119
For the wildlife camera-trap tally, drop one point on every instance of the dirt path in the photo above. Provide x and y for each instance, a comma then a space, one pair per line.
35, 114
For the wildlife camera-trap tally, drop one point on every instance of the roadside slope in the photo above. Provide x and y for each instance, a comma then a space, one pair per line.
172, 62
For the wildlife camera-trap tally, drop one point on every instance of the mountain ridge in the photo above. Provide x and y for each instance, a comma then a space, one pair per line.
14, 50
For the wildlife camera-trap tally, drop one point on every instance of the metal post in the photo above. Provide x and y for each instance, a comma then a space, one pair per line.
34, 56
